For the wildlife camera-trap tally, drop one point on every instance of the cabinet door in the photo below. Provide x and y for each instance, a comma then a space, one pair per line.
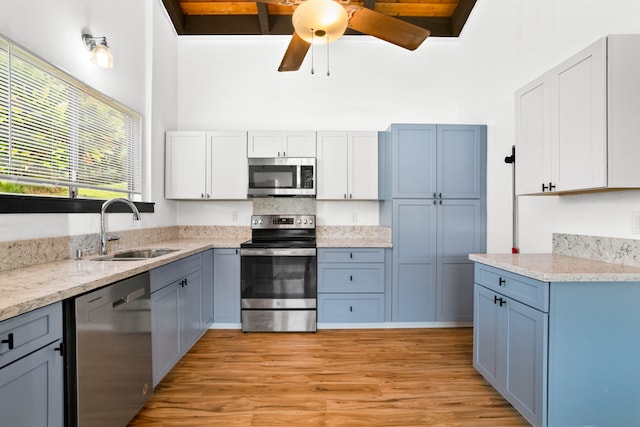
207, 289
299, 144
488, 345
533, 138
332, 163
31, 389
414, 255
185, 165
226, 285
229, 174
454, 291
413, 155
190, 310
165, 334
525, 359
363, 165
264, 144
579, 117
460, 161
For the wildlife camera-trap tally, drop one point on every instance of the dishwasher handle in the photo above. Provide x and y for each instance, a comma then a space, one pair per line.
128, 298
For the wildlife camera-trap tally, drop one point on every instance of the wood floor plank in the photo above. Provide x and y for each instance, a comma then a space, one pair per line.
370, 377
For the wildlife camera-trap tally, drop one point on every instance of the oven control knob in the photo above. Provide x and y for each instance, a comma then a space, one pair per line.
299, 221
260, 221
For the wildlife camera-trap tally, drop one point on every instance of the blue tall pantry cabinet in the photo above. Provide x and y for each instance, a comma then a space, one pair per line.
433, 192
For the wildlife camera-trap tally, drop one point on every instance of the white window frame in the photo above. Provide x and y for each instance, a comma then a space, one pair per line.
91, 122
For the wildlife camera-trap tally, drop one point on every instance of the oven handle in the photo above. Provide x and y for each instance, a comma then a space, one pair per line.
278, 252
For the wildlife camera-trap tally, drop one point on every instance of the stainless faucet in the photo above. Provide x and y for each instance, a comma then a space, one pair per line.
103, 231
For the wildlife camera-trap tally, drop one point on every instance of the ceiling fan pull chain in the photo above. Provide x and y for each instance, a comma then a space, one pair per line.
328, 42
312, 43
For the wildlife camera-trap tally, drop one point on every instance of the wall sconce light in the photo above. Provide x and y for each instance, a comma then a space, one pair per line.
100, 53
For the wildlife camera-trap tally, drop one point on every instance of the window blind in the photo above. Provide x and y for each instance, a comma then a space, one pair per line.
56, 131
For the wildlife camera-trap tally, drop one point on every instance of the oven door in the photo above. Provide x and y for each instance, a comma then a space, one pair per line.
278, 278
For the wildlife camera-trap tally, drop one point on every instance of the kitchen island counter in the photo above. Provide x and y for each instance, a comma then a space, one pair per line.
559, 268
26, 289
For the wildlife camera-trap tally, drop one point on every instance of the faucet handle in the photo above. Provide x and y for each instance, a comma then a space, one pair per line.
113, 238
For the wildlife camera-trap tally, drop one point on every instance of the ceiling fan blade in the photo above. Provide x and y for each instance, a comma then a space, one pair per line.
296, 51
387, 28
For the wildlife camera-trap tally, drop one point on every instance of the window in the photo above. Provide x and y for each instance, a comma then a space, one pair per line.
59, 137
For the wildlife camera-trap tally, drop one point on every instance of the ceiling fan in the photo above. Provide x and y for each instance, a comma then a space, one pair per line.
325, 21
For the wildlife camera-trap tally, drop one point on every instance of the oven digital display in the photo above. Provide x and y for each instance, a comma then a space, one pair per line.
283, 221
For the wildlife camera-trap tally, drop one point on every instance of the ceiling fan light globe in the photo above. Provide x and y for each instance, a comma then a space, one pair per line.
313, 17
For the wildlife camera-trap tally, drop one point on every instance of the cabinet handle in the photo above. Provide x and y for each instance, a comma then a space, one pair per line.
236, 252
351, 255
284, 154
434, 195
9, 341
345, 195
351, 196
60, 349
351, 278
497, 300
440, 201
278, 154
551, 187
501, 282
186, 282
202, 195
440, 195
434, 202
544, 187
350, 308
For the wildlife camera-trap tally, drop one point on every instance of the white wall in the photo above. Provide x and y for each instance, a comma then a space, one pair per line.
52, 30
233, 83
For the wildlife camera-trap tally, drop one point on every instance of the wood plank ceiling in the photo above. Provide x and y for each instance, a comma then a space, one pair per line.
444, 18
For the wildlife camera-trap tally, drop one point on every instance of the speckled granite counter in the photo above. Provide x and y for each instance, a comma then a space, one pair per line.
352, 243
29, 288
559, 268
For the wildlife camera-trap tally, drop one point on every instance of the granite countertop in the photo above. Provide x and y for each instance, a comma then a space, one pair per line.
559, 268
29, 288
345, 242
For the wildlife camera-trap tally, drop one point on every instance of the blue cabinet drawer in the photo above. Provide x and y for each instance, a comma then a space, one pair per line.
169, 273
531, 292
350, 308
351, 255
29, 332
351, 278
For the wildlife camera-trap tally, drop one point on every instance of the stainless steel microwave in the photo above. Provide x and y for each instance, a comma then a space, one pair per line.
282, 176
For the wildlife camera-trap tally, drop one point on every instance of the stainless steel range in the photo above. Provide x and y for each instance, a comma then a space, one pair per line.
278, 274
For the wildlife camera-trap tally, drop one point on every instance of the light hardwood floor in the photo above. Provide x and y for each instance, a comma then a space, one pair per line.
379, 377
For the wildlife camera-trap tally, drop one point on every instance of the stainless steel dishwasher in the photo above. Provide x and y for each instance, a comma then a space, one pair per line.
108, 356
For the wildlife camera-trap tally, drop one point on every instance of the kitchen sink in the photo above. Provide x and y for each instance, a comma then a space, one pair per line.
135, 255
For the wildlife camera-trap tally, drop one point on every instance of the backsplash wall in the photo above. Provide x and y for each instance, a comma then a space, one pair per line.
597, 248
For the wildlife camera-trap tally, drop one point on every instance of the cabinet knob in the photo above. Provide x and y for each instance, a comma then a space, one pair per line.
544, 187
551, 187
501, 282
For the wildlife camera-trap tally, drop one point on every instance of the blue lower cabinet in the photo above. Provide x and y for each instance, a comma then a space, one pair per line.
351, 285
350, 308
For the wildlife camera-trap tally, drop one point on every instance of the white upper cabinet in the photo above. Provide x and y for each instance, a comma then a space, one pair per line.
281, 144
577, 125
347, 165
206, 165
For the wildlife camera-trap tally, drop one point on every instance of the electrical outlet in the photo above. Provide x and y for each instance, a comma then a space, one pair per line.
635, 222
354, 217
234, 216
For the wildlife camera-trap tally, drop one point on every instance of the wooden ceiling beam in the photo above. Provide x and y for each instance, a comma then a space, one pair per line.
175, 14
263, 17
460, 16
